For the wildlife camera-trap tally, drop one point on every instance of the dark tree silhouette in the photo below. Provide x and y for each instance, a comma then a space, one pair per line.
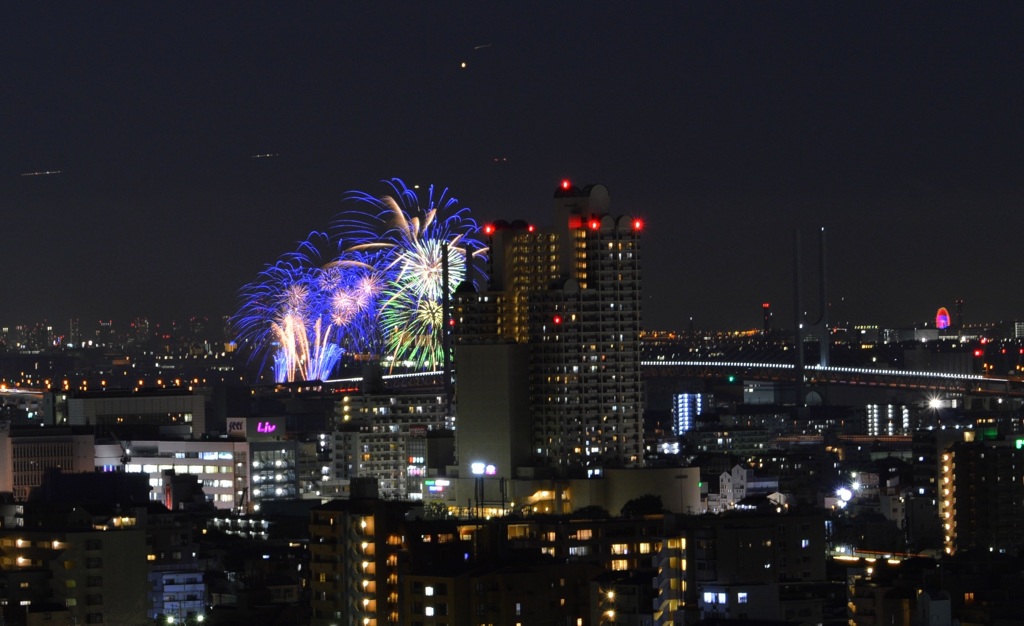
647, 504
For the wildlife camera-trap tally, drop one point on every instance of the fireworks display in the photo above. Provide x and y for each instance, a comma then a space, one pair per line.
374, 285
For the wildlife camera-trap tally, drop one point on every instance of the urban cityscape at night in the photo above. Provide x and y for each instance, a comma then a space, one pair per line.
472, 315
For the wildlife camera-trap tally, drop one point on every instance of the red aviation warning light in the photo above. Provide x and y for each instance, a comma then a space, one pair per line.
766, 305
557, 320
566, 184
488, 229
595, 224
531, 228
638, 224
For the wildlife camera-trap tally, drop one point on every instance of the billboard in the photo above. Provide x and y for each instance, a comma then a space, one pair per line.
255, 428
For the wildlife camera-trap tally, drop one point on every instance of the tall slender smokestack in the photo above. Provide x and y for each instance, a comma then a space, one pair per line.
798, 317
826, 337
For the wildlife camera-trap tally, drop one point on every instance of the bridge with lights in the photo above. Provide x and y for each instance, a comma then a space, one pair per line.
922, 381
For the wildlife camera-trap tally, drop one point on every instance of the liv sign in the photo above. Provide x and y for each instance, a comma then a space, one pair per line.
265, 427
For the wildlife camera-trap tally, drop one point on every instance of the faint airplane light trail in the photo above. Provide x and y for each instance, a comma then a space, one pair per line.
42, 173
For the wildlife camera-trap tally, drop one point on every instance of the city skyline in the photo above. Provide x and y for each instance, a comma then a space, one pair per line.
156, 160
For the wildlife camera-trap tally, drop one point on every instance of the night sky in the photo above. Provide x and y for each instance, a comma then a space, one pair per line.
727, 126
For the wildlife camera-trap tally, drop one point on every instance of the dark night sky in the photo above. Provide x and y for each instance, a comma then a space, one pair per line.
726, 125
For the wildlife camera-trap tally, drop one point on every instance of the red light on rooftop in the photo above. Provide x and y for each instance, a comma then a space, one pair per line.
531, 228
489, 229
557, 319
566, 184
638, 224
595, 224
766, 305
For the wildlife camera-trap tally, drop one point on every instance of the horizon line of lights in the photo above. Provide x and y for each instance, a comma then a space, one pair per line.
359, 379
830, 368
742, 364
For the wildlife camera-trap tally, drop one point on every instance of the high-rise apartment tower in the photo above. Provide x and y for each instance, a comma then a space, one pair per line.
572, 294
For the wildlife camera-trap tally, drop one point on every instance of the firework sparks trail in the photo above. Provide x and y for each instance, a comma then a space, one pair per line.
373, 286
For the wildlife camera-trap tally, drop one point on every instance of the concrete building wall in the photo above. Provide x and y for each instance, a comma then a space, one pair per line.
99, 575
170, 410
223, 467
24, 458
493, 407
739, 602
678, 488
6, 462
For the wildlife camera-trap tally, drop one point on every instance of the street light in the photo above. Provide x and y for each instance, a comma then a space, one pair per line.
479, 469
189, 619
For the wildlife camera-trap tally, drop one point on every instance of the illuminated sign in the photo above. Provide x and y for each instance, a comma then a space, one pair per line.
242, 428
942, 318
482, 469
436, 485
236, 427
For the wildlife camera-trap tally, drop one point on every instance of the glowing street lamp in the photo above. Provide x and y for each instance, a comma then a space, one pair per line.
844, 495
480, 469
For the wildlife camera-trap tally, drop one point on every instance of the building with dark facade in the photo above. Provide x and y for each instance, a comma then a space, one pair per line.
981, 496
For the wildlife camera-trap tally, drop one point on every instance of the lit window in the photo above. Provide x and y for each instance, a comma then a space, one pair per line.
741, 597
